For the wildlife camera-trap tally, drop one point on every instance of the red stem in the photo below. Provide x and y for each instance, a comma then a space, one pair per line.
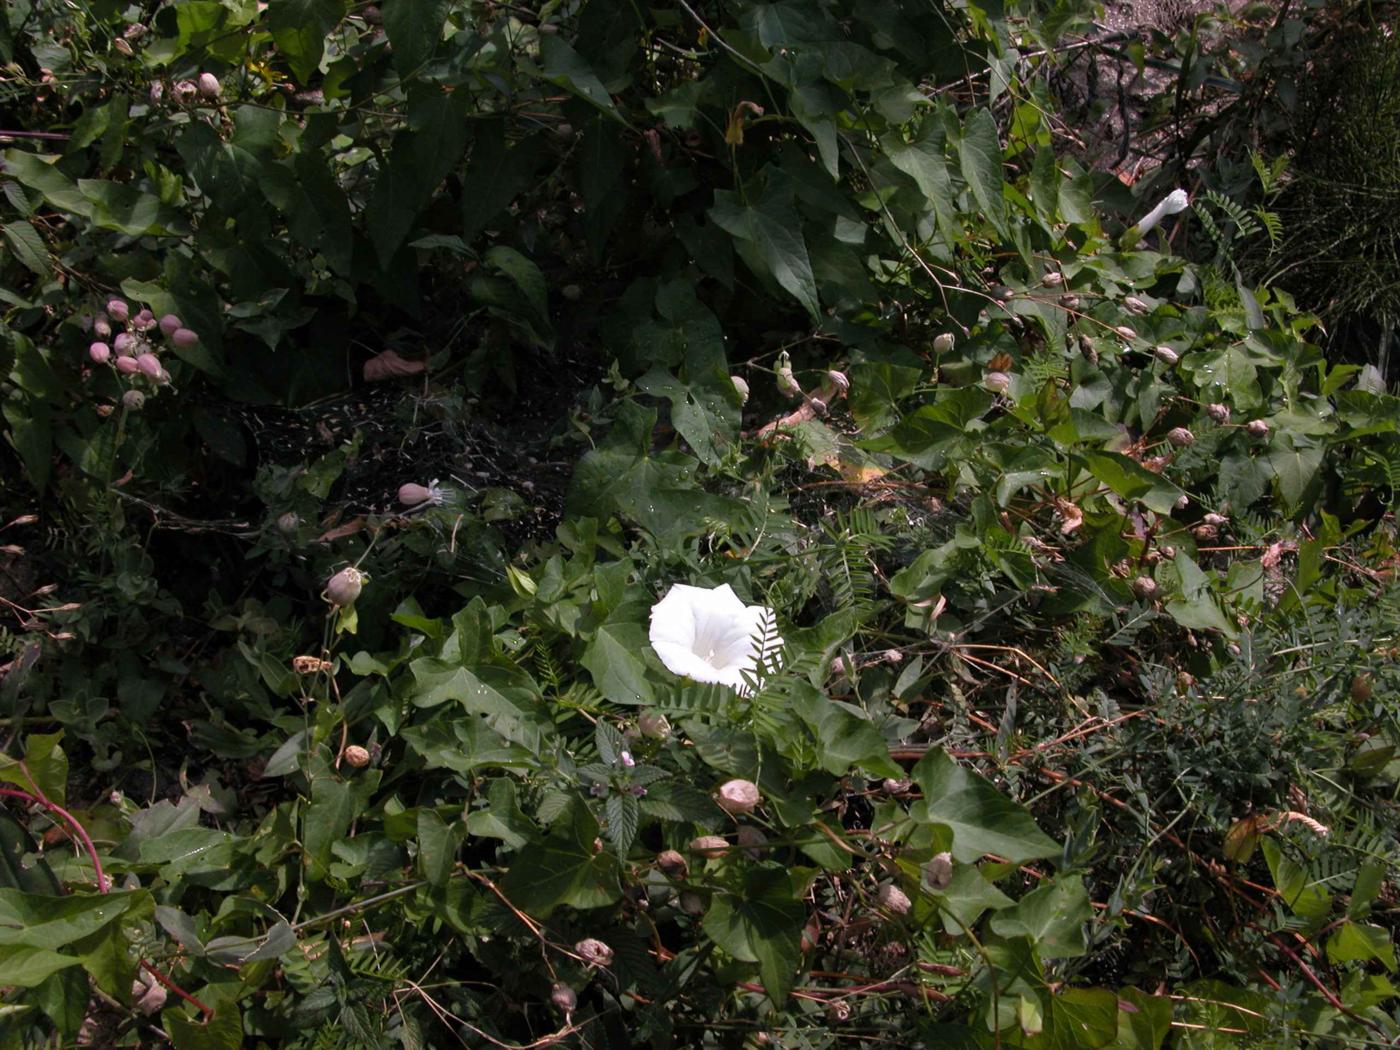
72, 822
102, 884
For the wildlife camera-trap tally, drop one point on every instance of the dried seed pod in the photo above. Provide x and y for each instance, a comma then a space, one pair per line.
1136, 305
1258, 428
344, 587
1145, 587
752, 841
838, 381
1166, 355
1218, 520
1124, 332
1180, 437
1218, 412
1053, 279
1069, 302
738, 797
938, 872
893, 898
357, 756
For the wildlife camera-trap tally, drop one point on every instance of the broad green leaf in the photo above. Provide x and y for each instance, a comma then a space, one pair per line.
1306, 898
1144, 1021
1361, 942
414, 28
1079, 1019
981, 818
613, 659
762, 924
300, 28
1297, 471
1052, 915
1131, 480
52, 923
223, 1031
28, 246
27, 967
44, 770
772, 227
41, 173
438, 842
564, 66
966, 897
564, 868
979, 153
843, 738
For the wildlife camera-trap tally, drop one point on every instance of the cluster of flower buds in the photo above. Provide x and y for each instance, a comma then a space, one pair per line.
203, 90
127, 342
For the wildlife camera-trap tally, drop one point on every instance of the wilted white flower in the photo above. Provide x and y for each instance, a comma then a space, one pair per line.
1176, 201
710, 635
943, 342
997, 382
1370, 380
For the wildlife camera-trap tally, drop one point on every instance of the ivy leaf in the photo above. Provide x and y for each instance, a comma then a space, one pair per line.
981, 818
772, 228
438, 842
414, 28
1297, 471
564, 66
1052, 915
611, 658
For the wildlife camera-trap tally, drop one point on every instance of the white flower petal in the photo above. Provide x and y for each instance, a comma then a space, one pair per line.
709, 634
1174, 202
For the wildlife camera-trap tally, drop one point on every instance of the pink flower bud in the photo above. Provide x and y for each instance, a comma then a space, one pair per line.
157, 94
563, 998
411, 494
1136, 305
1124, 332
118, 310
1219, 413
144, 321
149, 364
737, 797
123, 47
997, 382
126, 365
344, 587
169, 325
100, 352
184, 338
1258, 428
209, 85
186, 90
124, 343
102, 327
709, 846
672, 864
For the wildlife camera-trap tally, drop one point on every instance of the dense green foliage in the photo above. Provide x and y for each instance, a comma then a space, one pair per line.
1080, 732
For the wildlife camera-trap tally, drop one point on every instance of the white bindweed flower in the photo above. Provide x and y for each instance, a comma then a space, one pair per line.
710, 635
1176, 201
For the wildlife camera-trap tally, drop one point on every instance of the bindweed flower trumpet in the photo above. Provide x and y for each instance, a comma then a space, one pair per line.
1171, 204
710, 635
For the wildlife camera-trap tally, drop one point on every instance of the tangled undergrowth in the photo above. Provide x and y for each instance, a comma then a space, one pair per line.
1032, 678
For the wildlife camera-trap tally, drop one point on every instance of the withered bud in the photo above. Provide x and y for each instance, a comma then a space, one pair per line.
357, 756
943, 342
938, 872
672, 864
893, 898
1180, 437
1145, 587
738, 797
1218, 412
594, 952
1135, 304
1258, 428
